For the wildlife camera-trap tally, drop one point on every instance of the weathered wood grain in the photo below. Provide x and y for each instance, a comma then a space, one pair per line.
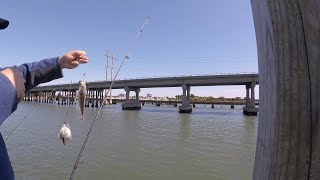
288, 44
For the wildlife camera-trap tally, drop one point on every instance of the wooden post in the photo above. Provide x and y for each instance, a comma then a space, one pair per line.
288, 43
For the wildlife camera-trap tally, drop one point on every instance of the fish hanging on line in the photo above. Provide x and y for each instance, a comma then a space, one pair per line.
65, 133
81, 96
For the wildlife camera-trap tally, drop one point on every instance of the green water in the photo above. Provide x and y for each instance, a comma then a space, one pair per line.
154, 143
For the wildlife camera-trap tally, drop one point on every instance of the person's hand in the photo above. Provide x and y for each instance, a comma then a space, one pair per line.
72, 59
17, 80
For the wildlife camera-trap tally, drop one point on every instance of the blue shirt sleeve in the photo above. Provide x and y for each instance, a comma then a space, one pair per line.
8, 104
8, 98
34, 74
40, 72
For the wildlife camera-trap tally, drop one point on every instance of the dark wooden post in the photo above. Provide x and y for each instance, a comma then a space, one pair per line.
288, 43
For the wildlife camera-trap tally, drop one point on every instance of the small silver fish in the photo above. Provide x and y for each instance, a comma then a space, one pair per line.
65, 133
81, 96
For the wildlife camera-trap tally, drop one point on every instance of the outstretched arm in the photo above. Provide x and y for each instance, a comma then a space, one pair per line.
16, 80
49, 69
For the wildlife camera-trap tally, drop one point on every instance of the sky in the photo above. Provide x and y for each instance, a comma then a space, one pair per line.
183, 37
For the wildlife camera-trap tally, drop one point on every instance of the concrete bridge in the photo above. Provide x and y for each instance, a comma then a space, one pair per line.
95, 89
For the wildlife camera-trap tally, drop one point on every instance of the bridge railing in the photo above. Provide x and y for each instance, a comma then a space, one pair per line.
160, 77
191, 75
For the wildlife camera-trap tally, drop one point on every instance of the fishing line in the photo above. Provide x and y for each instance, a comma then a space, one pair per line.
25, 117
68, 92
105, 98
23, 120
67, 112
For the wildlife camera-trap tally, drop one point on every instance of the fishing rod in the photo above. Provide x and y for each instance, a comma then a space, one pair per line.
147, 20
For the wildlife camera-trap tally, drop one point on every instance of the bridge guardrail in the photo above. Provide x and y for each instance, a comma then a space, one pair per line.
159, 77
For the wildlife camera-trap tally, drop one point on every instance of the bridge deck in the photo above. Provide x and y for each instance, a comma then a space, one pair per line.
209, 80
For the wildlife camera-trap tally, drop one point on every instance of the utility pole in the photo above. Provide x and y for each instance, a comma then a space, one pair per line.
112, 66
112, 57
107, 67
112, 63
107, 64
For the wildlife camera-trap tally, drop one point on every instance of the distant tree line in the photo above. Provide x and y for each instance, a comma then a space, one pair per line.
209, 99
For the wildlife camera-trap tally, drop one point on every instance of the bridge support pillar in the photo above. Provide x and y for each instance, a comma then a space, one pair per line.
92, 98
58, 98
110, 100
186, 107
96, 98
131, 104
31, 99
40, 97
250, 109
102, 97
99, 98
54, 97
73, 97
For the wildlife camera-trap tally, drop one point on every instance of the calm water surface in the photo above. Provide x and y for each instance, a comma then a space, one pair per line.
154, 143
